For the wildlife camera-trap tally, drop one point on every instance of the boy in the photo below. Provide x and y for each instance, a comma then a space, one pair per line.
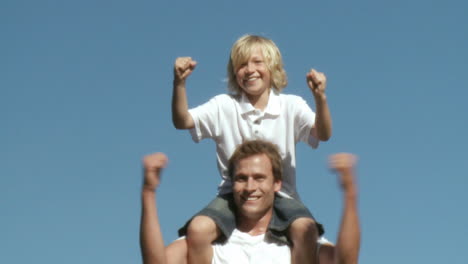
254, 110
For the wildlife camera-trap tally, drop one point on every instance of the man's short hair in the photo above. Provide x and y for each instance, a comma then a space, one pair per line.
255, 147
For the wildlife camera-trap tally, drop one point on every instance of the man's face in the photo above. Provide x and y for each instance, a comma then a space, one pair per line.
254, 186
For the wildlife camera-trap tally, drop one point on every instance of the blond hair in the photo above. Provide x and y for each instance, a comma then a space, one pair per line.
241, 52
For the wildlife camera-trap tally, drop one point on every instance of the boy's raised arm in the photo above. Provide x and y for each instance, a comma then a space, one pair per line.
317, 82
151, 240
181, 118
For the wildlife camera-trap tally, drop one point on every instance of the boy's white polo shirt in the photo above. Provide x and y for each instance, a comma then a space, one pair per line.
230, 120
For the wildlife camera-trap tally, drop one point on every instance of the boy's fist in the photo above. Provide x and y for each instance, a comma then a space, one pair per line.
183, 67
317, 82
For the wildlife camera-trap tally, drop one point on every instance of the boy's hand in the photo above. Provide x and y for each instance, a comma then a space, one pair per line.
317, 82
343, 164
183, 67
153, 164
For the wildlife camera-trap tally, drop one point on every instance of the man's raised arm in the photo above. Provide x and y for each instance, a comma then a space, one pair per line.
349, 236
151, 240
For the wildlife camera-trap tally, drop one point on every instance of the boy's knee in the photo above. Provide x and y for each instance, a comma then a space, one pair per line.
303, 228
201, 228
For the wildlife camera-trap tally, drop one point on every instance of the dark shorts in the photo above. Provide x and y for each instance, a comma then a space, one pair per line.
222, 211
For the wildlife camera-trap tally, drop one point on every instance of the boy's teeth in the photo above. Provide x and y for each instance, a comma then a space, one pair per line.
252, 198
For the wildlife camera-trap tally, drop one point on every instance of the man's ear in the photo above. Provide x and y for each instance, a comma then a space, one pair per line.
277, 185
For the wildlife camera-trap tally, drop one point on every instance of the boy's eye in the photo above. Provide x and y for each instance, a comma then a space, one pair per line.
241, 66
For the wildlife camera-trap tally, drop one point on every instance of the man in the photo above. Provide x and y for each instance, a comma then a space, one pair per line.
255, 170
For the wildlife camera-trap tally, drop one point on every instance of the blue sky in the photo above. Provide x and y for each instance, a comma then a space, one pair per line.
85, 91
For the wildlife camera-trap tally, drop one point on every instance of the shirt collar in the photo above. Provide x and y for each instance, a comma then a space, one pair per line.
273, 106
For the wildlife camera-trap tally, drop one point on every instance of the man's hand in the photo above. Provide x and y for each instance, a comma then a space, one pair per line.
183, 67
349, 235
343, 164
317, 82
153, 164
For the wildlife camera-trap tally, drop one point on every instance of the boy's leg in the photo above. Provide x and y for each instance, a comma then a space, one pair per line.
215, 221
292, 219
303, 234
201, 233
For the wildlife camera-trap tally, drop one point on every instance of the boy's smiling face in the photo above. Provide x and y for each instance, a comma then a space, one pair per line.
253, 76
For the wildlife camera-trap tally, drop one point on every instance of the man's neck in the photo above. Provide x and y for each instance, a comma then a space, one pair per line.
254, 226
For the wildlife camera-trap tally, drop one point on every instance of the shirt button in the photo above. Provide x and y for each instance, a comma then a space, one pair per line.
256, 131
257, 122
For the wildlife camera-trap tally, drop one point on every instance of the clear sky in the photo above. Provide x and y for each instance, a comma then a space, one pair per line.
85, 92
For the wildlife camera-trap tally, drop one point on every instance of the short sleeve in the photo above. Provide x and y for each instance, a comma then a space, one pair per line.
304, 121
205, 120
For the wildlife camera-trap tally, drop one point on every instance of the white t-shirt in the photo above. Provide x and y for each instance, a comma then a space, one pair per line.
230, 120
242, 248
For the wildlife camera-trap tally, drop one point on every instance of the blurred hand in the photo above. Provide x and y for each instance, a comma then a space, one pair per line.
344, 164
153, 164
